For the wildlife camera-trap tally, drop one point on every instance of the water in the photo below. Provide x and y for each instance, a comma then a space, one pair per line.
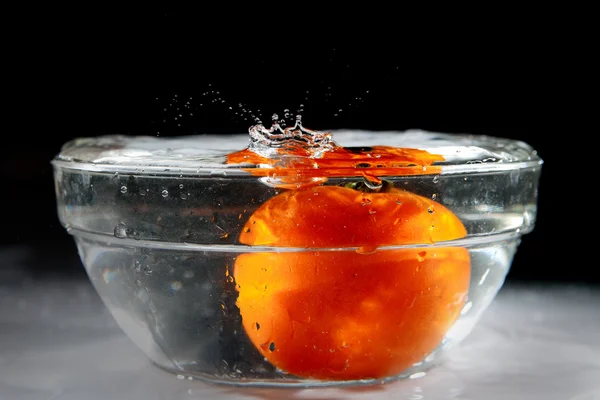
184, 315
163, 250
160, 263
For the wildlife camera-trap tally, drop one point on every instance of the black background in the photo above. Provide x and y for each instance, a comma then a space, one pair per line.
117, 74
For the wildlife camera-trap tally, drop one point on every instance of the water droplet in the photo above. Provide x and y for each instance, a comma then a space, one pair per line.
123, 189
421, 256
181, 186
180, 377
165, 193
188, 274
436, 179
116, 174
246, 230
272, 346
433, 196
398, 201
148, 270
371, 211
184, 196
430, 209
121, 230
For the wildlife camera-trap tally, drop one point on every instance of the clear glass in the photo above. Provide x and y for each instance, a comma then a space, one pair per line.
160, 246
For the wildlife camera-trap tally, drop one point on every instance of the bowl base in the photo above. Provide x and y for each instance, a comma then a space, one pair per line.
293, 382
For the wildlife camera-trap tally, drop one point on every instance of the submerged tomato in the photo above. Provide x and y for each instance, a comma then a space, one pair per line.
347, 314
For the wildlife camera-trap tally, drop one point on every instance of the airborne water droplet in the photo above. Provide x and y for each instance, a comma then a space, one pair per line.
436, 179
165, 193
123, 189
430, 209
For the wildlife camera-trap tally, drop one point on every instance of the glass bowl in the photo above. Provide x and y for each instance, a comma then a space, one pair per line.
296, 259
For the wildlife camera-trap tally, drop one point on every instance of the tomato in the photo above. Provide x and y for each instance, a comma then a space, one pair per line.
357, 313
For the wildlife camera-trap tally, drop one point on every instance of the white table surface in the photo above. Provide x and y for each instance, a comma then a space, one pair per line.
58, 341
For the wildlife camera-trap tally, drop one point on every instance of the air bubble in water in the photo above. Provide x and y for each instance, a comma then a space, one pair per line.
373, 183
181, 186
165, 193
123, 189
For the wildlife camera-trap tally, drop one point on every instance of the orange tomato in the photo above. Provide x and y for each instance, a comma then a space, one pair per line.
347, 314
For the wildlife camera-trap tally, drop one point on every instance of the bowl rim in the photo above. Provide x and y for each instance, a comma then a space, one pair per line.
204, 155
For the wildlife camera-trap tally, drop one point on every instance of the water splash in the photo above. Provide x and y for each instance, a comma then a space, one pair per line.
278, 139
297, 157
